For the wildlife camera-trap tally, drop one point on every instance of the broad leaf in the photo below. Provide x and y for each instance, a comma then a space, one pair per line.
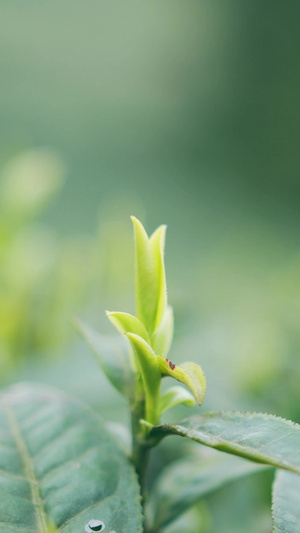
157, 243
175, 396
59, 464
286, 503
258, 437
146, 281
183, 483
163, 336
112, 355
190, 374
151, 375
126, 323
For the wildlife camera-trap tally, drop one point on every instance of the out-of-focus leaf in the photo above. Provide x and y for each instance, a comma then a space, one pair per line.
29, 182
190, 374
183, 483
112, 355
255, 436
59, 464
286, 503
146, 280
150, 373
126, 323
163, 336
175, 396
157, 243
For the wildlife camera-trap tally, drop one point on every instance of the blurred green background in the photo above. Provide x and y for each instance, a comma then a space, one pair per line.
185, 113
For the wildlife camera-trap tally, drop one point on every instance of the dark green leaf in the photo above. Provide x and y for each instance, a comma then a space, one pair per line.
58, 463
185, 482
258, 437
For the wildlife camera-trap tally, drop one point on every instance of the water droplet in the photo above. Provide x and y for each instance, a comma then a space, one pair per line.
94, 525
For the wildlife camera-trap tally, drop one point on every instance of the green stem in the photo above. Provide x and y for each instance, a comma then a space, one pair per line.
140, 447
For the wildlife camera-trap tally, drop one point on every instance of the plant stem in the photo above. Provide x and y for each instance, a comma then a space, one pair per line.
140, 447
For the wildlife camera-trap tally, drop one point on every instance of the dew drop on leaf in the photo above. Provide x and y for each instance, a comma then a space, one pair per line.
94, 525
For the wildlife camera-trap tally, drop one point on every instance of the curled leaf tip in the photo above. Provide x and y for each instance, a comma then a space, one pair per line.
190, 374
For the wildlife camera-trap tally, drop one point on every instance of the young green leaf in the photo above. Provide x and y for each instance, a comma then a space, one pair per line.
286, 503
183, 483
126, 323
175, 396
258, 437
190, 374
151, 375
60, 465
157, 243
163, 336
146, 280
112, 355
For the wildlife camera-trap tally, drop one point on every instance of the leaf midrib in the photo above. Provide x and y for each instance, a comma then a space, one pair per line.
41, 520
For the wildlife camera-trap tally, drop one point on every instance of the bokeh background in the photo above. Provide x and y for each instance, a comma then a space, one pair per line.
185, 113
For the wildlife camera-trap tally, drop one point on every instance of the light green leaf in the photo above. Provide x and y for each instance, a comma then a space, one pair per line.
126, 323
146, 281
157, 243
30, 180
190, 374
286, 503
258, 437
183, 483
163, 336
112, 355
175, 396
59, 464
151, 375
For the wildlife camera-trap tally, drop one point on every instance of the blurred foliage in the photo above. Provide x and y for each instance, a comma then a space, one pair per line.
45, 280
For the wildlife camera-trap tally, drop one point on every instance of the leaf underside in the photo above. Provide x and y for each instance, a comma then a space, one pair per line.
258, 437
286, 503
184, 482
59, 463
112, 355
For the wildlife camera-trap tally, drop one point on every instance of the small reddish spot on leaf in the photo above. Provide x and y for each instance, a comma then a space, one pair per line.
171, 365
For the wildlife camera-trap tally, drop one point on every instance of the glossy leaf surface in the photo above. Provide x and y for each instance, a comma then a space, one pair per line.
258, 437
286, 503
58, 464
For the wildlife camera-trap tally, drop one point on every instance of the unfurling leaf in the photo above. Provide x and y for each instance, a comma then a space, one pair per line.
190, 374
151, 292
126, 323
146, 281
163, 336
150, 373
157, 243
175, 396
